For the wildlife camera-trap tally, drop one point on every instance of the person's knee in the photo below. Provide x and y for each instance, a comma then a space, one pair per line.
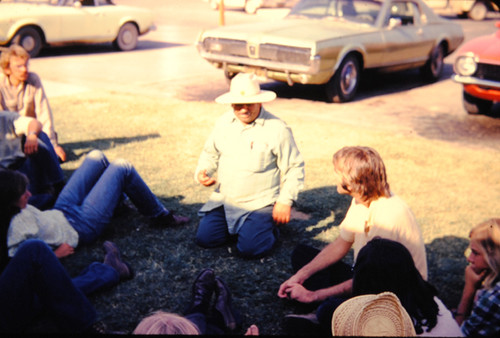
122, 164
255, 248
35, 246
201, 239
96, 155
204, 240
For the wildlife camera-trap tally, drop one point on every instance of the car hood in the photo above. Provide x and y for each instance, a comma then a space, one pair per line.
296, 32
485, 47
10, 10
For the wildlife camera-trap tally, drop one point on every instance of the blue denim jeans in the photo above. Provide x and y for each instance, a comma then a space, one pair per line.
94, 190
206, 326
43, 170
256, 237
35, 281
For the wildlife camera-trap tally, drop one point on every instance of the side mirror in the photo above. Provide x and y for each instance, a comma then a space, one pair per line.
395, 22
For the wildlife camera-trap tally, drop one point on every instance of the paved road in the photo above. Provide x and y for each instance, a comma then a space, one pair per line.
166, 64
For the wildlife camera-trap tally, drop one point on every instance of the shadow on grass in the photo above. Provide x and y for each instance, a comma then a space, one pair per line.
166, 262
446, 263
76, 150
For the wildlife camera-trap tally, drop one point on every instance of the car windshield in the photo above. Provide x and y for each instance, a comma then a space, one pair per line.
365, 11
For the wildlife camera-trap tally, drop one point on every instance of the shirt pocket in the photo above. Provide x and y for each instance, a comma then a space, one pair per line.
259, 157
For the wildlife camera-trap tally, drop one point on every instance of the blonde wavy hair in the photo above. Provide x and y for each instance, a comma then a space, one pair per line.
165, 323
13, 50
487, 236
362, 172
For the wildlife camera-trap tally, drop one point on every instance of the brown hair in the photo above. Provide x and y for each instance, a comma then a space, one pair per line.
165, 323
362, 172
13, 50
487, 236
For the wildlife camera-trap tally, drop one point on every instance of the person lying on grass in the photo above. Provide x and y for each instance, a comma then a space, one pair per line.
86, 206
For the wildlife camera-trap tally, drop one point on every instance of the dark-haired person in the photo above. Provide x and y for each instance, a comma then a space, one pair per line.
479, 308
321, 276
26, 148
86, 206
385, 265
34, 282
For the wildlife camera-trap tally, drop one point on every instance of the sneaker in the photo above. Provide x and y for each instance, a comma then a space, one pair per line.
113, 258
301, 324
167, 220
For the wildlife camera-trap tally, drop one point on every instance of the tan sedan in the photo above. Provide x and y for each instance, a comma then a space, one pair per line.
331, 42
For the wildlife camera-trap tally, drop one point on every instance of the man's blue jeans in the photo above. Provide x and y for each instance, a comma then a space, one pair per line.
34, 280
44, 171
94, 190
256, 237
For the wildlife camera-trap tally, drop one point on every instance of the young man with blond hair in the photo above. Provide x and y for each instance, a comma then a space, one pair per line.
21, 91
321, 276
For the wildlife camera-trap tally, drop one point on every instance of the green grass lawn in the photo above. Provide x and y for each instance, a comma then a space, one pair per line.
450, 187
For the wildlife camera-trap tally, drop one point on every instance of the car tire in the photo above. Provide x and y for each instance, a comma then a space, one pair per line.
251, 6
474, 105
478, 11
127, 37
433, 68
344, 83
30, 39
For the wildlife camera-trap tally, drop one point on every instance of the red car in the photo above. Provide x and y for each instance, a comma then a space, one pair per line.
477, 67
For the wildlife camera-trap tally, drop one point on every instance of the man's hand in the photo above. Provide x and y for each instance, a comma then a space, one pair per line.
60, 153
64, 250
204, 179
299, 293
31, 144
281, 213
285, 287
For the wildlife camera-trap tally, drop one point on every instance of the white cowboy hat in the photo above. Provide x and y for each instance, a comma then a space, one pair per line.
372, 315
245, 89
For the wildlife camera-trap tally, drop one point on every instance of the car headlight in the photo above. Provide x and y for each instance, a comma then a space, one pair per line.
465, 65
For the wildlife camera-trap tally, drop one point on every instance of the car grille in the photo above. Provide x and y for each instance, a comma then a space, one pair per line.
225, 46
271, 52
285, 54
487, 71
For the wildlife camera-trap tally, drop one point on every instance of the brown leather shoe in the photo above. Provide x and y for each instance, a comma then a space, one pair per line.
169, 220
113, 258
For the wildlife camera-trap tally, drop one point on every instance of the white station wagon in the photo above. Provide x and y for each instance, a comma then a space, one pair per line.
40, 23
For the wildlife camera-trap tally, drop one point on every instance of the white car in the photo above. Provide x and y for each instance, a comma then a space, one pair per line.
37, 24
251, 6
473, 9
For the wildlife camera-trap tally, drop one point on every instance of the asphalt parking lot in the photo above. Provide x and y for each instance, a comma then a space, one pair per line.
167, 65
